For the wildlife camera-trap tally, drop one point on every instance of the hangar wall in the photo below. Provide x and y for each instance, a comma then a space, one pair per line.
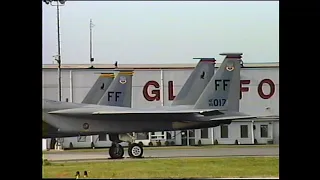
259, 96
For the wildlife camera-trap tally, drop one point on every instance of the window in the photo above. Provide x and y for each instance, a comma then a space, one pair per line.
224, 131
102, 137
191, 133
204, 133
82, 138
264, 131
169, 135
244, 131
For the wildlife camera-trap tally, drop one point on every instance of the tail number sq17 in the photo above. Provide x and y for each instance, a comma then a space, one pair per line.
217, 102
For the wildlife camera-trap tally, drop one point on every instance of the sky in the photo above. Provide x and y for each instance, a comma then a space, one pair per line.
161, 32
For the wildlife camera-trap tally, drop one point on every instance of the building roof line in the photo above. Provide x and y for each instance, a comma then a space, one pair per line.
151, 66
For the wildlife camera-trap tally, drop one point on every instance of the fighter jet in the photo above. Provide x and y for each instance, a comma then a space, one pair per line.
99, 94
218, 104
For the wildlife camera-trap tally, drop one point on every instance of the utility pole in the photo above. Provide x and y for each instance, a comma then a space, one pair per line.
59, 52
91, 58
58, 57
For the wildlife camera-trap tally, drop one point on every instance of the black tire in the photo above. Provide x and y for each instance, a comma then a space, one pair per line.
135, 150
113, 152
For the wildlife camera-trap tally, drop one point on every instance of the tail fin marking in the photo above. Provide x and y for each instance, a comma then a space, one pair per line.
99, 88
120, 91
196, 83
222, 92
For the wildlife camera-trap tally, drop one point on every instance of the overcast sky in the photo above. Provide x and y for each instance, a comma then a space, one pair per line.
162, 32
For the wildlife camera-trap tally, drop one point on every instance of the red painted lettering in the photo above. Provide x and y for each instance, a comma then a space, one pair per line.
170, 91
155, 93
260, 90
243, 89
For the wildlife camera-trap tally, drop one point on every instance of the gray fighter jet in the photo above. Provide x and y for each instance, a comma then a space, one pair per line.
98, 94
218, 104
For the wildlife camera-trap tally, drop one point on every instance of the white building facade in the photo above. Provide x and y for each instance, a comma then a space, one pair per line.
155, 85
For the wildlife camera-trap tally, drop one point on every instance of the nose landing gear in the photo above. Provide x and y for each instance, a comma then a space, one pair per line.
135, 150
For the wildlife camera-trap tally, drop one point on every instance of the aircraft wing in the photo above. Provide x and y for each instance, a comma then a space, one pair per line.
189, 111
129, 111
212, 114
232, 118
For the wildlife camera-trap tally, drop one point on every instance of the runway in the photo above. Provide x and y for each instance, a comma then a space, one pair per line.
167, 153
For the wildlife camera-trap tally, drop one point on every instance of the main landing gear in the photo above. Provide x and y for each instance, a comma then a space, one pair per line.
116, 151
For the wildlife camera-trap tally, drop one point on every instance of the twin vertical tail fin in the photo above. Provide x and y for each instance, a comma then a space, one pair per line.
99, 88
222, 92
196, 83
120, 91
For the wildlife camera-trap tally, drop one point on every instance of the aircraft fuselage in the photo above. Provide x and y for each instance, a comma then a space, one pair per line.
88, 123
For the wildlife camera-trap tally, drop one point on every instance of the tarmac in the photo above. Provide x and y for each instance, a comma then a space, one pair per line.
167, 153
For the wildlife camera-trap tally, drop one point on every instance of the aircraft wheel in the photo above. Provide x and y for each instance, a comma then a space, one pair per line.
116, 151
135, 150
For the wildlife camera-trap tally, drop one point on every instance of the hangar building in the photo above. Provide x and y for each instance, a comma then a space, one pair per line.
157, 84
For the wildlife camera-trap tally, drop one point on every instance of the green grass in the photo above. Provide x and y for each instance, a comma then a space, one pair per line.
166, 147
169, 168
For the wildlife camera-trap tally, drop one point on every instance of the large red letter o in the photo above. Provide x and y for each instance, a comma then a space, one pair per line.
272, 89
